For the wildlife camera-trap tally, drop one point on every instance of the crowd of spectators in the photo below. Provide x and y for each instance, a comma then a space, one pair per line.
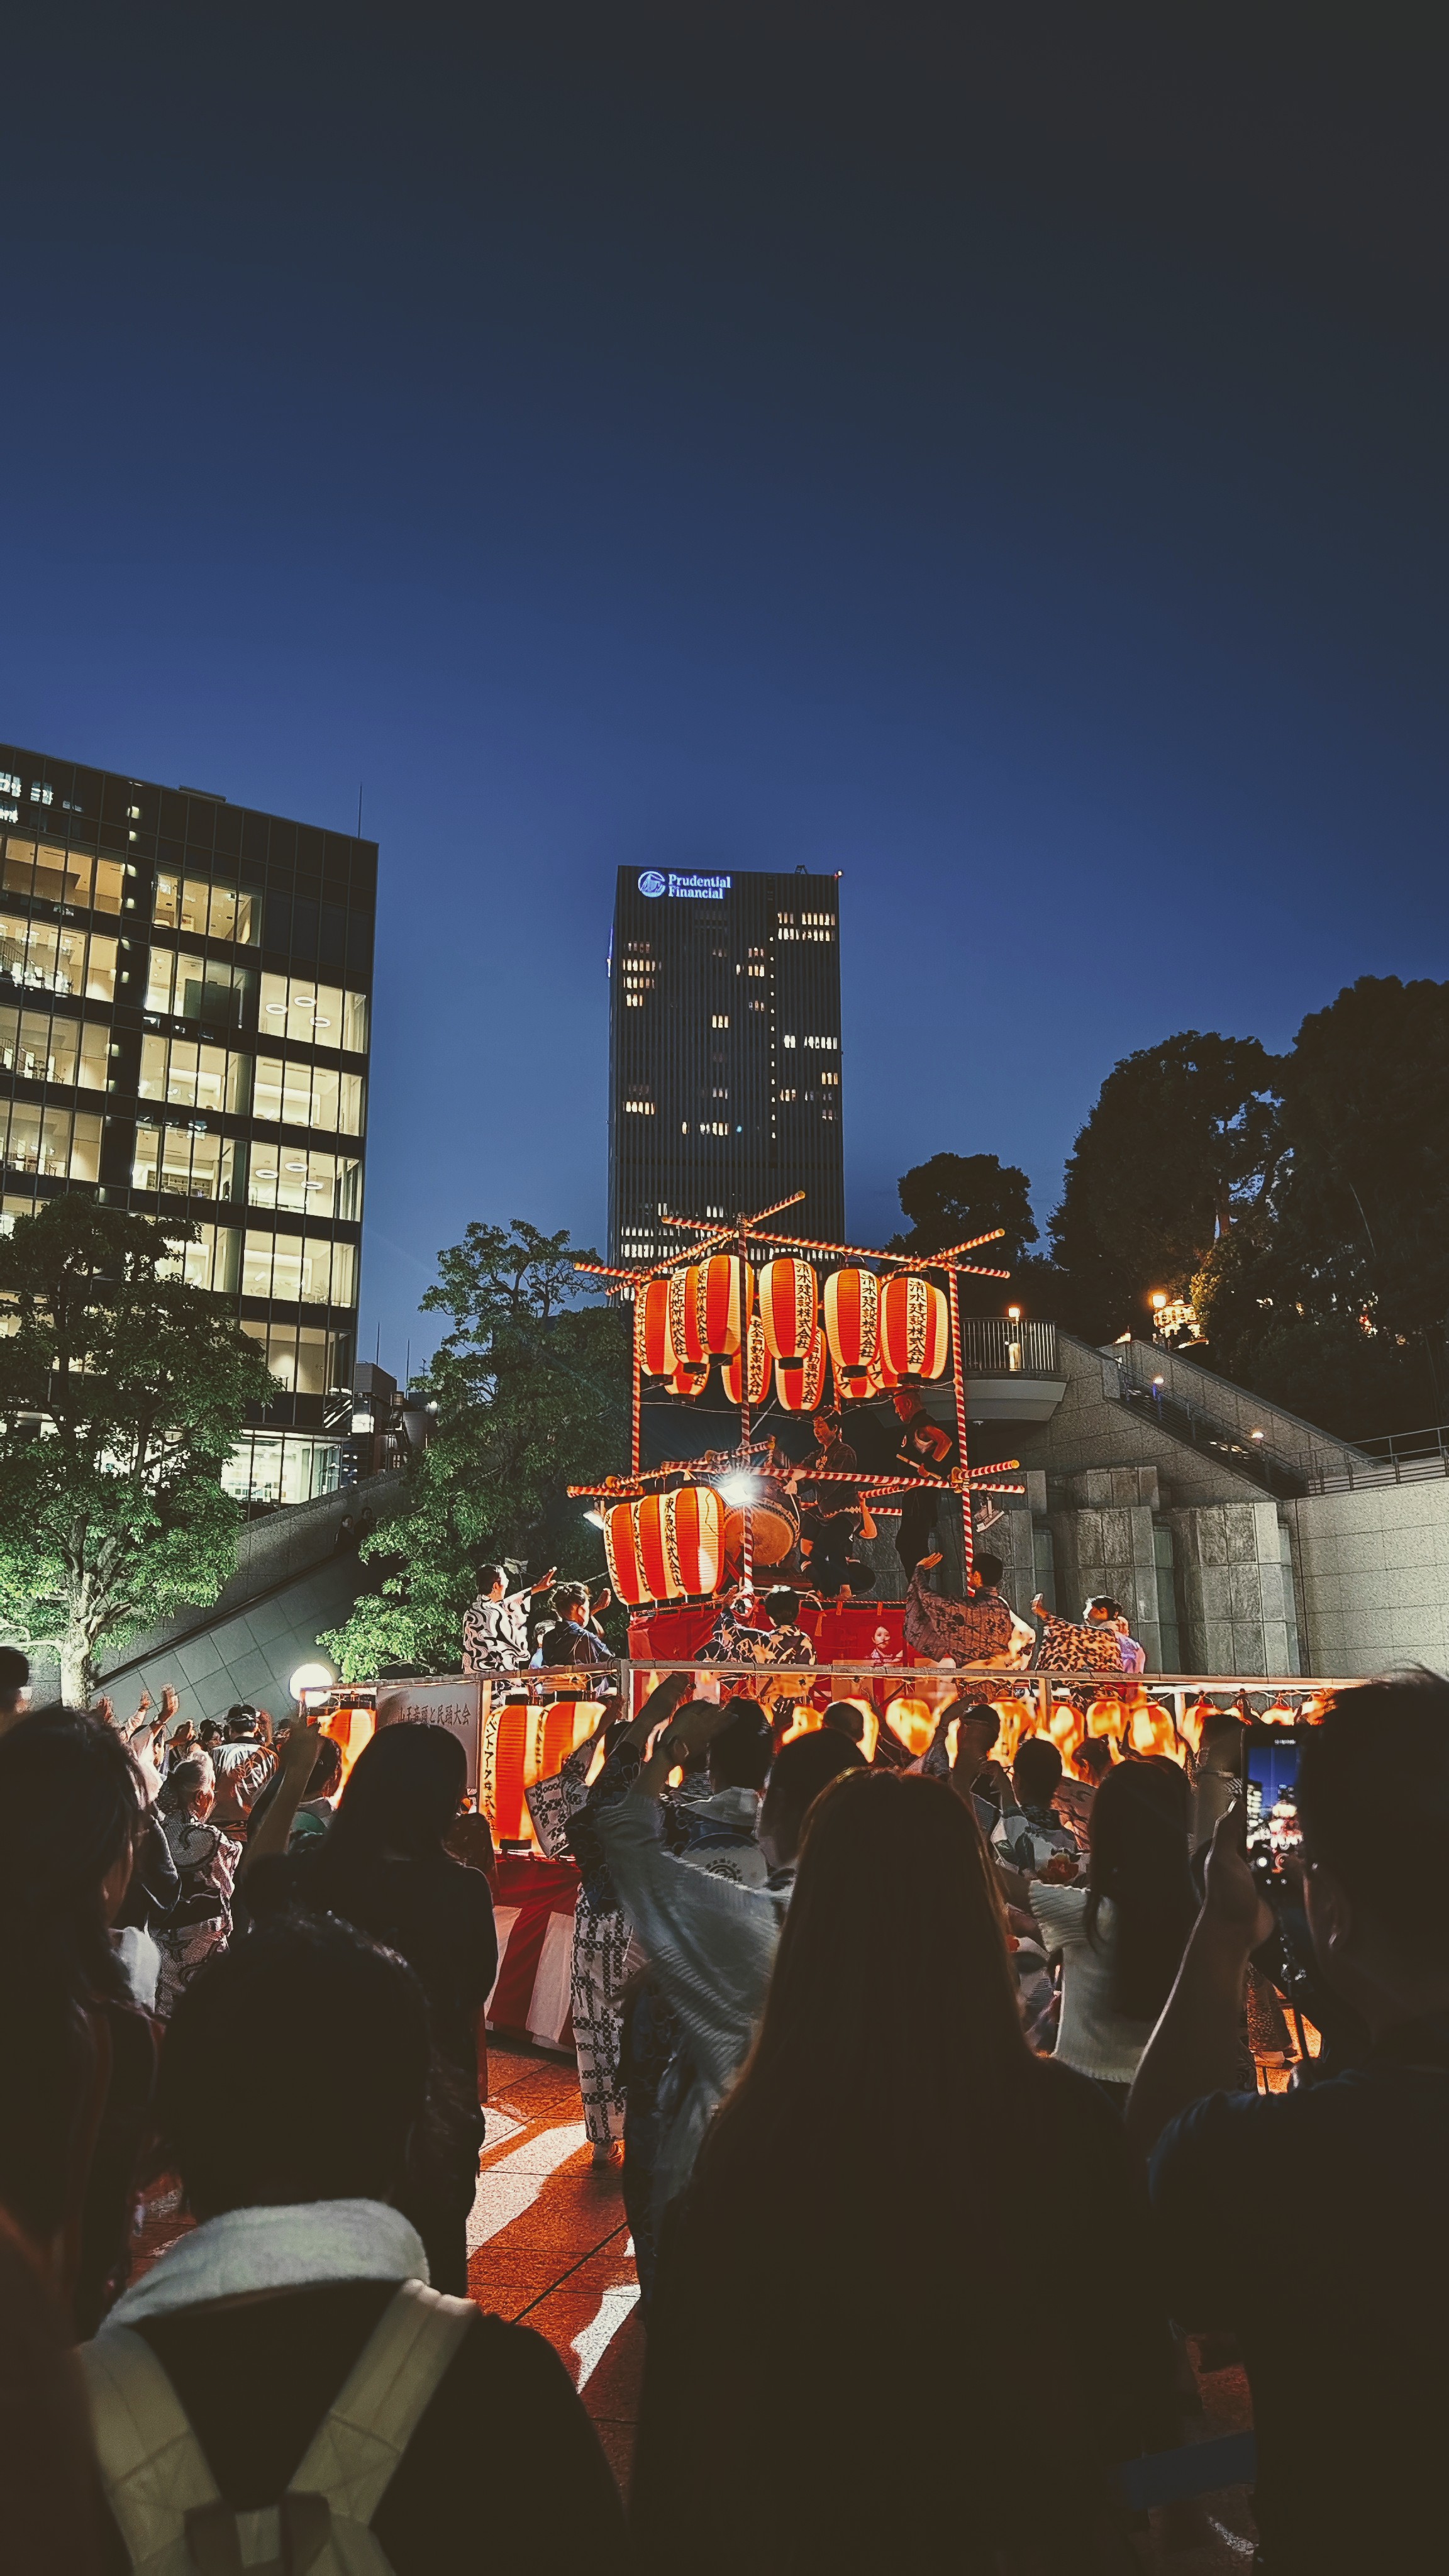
939, 2124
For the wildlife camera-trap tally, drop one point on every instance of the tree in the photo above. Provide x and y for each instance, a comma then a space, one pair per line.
531, 1386
121, 1392
1183, 1141
1335, 1301
955, 1196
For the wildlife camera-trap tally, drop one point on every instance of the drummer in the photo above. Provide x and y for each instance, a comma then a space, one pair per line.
832, 1521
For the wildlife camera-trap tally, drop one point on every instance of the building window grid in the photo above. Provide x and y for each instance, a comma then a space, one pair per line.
48, 948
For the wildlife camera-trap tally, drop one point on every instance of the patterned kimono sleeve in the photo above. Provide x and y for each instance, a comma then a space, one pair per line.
552, 1803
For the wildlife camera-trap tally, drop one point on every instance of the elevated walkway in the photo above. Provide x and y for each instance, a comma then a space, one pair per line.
1274, 1449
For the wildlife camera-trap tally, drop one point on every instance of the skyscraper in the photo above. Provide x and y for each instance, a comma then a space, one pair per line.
185, 993
724, 1051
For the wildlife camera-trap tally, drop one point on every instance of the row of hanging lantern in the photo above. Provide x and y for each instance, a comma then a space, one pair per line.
877, 1334
665, 1547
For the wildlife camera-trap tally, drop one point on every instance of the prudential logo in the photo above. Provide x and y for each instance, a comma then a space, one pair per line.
651, 882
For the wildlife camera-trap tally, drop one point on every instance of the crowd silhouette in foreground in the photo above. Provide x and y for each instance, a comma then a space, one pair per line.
939, 2125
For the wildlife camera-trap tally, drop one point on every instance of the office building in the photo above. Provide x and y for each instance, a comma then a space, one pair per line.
185, 995
724, 1052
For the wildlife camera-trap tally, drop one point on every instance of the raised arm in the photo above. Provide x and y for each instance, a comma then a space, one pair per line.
298, 1751
1194, 2049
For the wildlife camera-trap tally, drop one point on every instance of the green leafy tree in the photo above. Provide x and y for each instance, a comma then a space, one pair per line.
1183, 1142
955, 1196
121, 1392
531, 1385
1335, 1298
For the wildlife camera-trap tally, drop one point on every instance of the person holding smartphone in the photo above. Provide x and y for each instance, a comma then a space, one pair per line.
1310, 2223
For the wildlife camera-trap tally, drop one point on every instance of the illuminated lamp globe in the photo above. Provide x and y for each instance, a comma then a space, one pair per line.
311, 1677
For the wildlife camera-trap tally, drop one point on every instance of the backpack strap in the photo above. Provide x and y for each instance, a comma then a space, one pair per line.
152, 2466
356, 2448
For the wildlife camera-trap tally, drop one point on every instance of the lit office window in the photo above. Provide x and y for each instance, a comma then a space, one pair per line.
203, 910
299, 1270
59, 876
47, 957
293, 1093
185, 1162
297, 1008
55, 1144
213, 1261
301, 1357
199, 988
310, 1183
38, 1048
194, 1075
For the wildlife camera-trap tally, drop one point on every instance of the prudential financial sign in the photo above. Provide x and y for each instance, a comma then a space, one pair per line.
653, 881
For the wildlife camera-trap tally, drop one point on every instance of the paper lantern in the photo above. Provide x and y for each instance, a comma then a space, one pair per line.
657, 1560
684, 1332
667, 1547
799, 1388
789, 1311
621, 1554
694, 1527
689, 1381
651, 1329
851, 1306
747, 1375
724, 1302
915, 1328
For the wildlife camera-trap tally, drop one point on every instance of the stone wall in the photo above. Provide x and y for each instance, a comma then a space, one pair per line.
1373, 1577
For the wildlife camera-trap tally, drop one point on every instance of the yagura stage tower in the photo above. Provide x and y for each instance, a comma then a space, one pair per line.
724, 1052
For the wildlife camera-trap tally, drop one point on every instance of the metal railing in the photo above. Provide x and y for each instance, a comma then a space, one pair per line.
1397, 1458
1251, 1458
994, 1346
630, 1679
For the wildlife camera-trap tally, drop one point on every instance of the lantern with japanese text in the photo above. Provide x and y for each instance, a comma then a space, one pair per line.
747, 1375
687, 1380
915, 1328
694, 1526
789, 1311
666, 1547
724, 1302
651, 1329
851, 1306
657, 1561
684, 1319
799, 1389
621, 1553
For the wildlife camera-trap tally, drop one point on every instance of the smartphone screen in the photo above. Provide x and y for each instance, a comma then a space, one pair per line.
1270, 1800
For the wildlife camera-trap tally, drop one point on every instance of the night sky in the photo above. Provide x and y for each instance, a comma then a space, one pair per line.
999, 454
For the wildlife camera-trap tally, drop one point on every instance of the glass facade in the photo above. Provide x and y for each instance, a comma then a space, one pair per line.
724, 1053
185, 999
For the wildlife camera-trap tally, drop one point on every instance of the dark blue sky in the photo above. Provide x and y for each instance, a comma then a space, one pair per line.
1002, 462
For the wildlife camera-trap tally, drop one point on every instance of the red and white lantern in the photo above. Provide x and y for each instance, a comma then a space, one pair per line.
851, 1307
915, 1328
747, 1375
684, 1333
724, 1302
666, 1547
690, 1381
695, 1528
651, 1329
621, 1553
790, 1313
799, 1389
657, 1561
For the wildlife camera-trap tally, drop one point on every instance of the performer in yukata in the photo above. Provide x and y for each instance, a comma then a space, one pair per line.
495, 1625
602, 1963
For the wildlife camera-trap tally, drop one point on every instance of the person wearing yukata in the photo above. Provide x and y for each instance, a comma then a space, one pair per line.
924, 1447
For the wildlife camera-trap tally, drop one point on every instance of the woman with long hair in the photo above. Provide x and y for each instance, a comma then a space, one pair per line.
853, 2291
382, 1866
79, 2059
1122, 1936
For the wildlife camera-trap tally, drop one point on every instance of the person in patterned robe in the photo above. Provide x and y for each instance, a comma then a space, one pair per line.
601, 1962
206, 1864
